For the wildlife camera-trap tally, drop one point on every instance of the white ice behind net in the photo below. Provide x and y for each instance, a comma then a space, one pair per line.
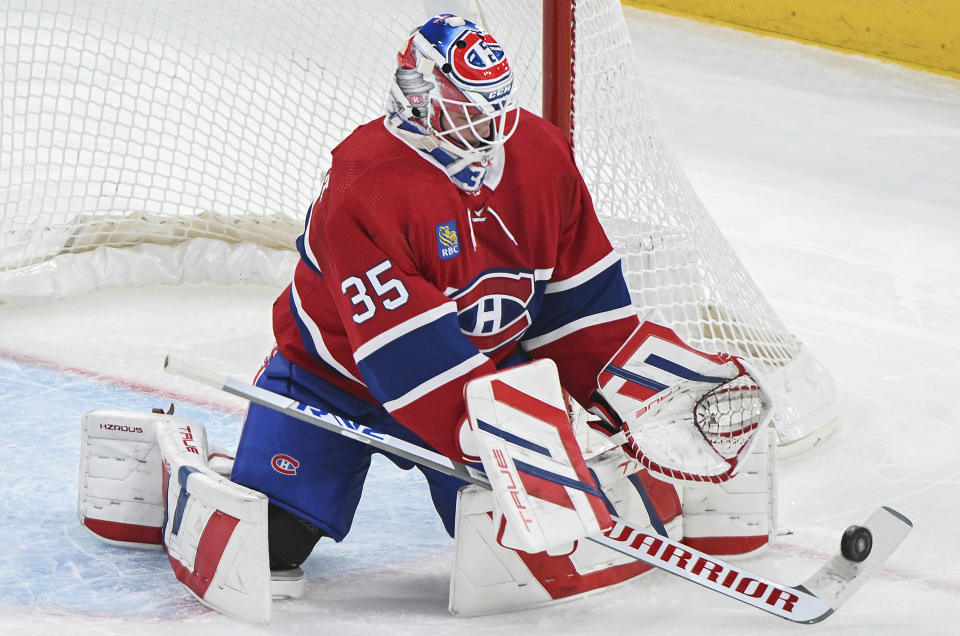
205, 128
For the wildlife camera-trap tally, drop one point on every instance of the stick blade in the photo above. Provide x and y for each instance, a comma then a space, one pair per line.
840, 577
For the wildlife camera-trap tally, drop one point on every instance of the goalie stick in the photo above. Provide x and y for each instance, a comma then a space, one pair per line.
809, 602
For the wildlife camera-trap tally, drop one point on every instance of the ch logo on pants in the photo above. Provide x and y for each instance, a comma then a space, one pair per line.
284, 464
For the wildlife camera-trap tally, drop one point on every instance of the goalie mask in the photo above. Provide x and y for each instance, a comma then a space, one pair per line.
453, 97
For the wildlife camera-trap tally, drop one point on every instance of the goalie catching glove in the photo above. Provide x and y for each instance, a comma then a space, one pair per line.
543, 494
685, 415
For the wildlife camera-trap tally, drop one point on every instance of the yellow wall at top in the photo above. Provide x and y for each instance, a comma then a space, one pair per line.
922, 33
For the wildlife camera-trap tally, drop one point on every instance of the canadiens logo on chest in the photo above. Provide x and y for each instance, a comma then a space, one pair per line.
494, 309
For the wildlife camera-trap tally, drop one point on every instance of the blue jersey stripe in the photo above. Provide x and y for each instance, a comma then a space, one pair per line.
304, 258
422, 354
604, 292
306, 339
301, 245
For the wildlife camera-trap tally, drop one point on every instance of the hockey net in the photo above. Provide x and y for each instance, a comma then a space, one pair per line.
147, 141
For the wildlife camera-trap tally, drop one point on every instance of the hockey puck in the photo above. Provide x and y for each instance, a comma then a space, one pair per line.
856, 543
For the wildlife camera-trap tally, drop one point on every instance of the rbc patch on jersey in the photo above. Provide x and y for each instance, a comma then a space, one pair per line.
448, 242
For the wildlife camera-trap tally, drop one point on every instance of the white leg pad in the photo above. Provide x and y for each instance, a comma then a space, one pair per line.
119, 497
738, 517
488, 578
215, 531
519, 427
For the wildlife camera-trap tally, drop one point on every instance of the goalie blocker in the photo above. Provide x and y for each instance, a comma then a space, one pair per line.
543, 493
553, 481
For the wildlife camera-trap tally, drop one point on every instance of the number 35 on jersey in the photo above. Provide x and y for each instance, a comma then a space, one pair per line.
389, 293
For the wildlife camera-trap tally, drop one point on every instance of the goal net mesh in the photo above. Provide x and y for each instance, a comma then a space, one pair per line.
136, 123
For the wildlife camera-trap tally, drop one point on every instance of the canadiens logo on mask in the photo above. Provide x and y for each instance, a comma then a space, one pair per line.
480, 62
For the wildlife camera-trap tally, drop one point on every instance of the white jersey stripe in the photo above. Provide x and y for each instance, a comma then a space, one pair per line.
306, 235
538, 275
317, 337
584, 276
542, 274
577, 325
309, 250
405, 327
436, 382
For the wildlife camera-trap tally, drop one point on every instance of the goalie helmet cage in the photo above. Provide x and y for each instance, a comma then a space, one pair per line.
155, 141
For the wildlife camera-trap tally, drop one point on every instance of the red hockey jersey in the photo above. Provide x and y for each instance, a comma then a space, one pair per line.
408, 287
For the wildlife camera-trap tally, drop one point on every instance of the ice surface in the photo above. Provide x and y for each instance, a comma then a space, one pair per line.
837, 179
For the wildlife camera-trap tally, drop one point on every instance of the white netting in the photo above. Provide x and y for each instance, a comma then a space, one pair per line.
129, 121
676, 258
132, 122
